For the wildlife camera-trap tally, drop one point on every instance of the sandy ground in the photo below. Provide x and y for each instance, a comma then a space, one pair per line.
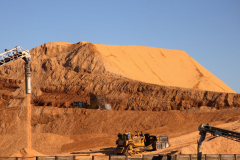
84, 132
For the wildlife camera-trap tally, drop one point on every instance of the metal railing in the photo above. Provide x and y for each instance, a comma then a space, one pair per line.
136, 157
13, 54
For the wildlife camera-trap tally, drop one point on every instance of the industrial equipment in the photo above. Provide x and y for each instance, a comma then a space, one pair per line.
14, 54
96, 102
129, 144
103, 102
80, 104
215, 131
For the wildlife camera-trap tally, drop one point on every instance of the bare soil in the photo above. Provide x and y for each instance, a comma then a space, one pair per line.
57, 131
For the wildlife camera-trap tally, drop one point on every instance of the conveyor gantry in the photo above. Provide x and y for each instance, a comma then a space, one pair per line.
215, 131
14, 54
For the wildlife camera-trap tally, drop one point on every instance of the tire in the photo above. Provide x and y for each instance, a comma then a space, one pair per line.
125, 152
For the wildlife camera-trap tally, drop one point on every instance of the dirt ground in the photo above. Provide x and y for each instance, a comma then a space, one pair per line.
144, 89
86, 132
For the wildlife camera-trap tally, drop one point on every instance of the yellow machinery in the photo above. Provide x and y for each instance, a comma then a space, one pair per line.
129, 144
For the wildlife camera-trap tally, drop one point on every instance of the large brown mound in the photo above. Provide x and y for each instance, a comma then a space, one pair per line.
65, 72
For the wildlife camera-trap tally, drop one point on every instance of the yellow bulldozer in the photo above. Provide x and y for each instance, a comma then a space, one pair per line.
129, 144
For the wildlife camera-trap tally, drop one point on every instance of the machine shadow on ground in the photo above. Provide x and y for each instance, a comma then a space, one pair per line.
105, 151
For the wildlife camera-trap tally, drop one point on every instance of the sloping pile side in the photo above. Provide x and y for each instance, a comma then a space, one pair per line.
7, 86
65, 72
160, 66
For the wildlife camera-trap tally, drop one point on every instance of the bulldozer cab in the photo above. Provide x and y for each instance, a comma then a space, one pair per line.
162, 138
153, 138
125, 136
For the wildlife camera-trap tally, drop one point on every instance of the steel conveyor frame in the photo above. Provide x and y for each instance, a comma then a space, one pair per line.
13, 54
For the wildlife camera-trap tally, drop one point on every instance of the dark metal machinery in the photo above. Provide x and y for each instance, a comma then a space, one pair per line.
215, 131
14, 54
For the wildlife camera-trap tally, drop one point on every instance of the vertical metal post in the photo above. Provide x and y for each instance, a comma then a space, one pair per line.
28, 96
27, 78
200, 145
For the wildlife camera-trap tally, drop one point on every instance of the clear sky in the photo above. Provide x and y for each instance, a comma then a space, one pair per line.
208, 30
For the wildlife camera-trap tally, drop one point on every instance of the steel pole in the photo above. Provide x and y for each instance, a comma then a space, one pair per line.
28, 94
200, 145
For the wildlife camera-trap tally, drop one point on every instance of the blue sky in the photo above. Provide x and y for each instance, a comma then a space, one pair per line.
208, 30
